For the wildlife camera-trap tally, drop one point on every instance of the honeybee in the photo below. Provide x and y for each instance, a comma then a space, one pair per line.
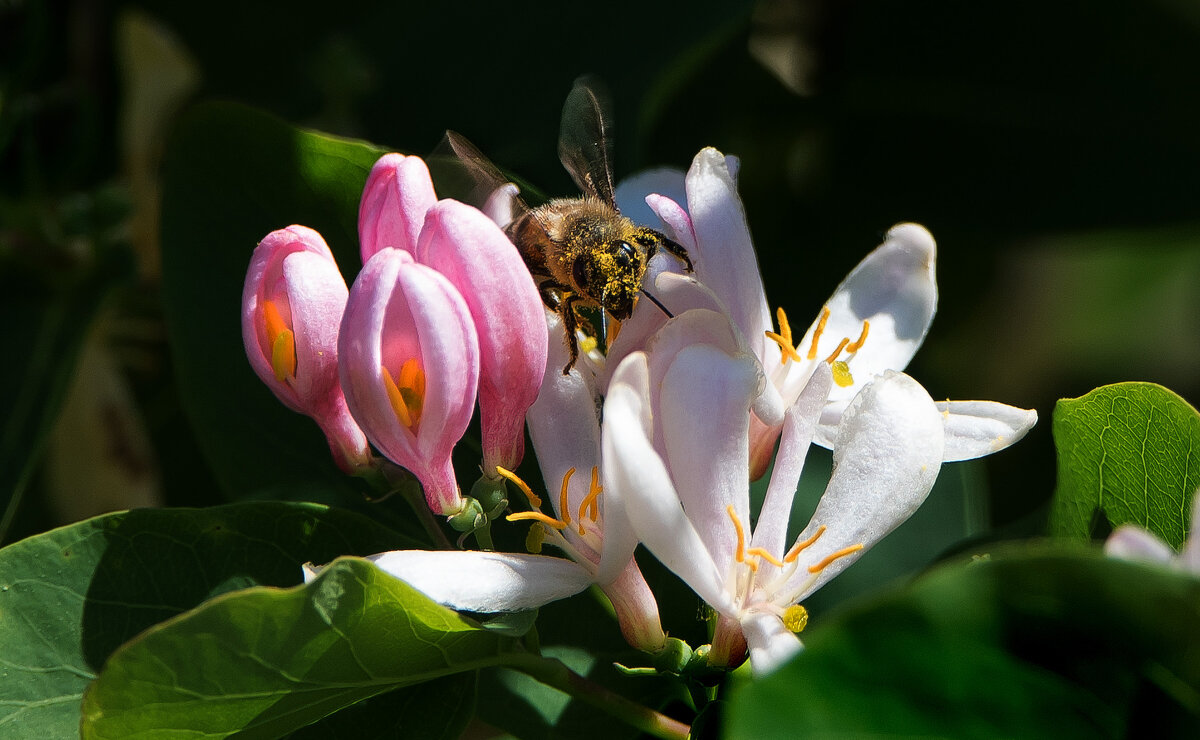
580, 251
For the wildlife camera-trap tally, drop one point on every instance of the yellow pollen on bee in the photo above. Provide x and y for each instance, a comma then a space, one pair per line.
812, 351
784, 338
825, 562
408, 396
795, 618
857, 344
799, 547
282, 341
533, 498
740, 553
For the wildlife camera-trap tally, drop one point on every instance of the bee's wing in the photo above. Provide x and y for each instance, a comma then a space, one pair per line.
585, 139
462, 171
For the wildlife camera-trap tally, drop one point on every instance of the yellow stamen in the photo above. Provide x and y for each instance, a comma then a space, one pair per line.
812, 351
396, 398
536, 516
590, 503
752, 565
799, 547
834, 556
283, 355
841, 346
784, 338
841, 374
412, 377
759, 552
563, 511
740, 554
862, 338
534, 500
535, 537
795, 618
274, 321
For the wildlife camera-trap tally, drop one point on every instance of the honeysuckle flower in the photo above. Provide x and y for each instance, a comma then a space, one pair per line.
676, 456
292, 305
597, 538
409, 366
400, 209
1131, 542
882, 311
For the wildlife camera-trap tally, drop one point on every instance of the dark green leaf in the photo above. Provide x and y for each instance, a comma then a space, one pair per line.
232, 176
1049, 643
1129, 452
69, 597
438, 710
262, 662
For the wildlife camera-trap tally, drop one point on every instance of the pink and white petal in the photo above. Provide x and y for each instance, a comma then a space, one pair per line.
798, 427
771, 644
978, 428
895, 289
636, 478
1131, 542
636, 608
885, 460
485, 581
391, 213
704, 417
724, 256
632, 193
508, 316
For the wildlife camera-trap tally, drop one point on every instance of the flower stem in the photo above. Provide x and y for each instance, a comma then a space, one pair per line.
555, 673
407, 485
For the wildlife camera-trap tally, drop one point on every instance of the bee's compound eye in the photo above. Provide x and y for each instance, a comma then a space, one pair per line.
625, 255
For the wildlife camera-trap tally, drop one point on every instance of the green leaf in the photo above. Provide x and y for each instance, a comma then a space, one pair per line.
265, 661
232, 175
71, 596
1048, 643
1129, 452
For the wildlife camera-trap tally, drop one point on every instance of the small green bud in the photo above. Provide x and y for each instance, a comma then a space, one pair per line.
469, 518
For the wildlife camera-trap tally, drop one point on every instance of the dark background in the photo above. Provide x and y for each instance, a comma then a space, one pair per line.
1051, 148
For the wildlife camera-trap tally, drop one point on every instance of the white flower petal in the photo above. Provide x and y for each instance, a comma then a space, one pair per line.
771, 644
1189, 557
799, 424
978, 428
724, 255
894, 288
636, 478
885, 460
1131, 542
485, 581
705, 424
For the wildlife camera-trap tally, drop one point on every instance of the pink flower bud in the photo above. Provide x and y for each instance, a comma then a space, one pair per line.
409, 364
394, 201
292, 307
465, 246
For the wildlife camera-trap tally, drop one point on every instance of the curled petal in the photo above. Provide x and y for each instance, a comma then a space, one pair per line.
978, 428
885, 460
894, 289
394, 201
771, 644
292, 305
633, 193
636, 478
409, 367
724, 254
466, 247
1131, 542
485, 581
1189, 557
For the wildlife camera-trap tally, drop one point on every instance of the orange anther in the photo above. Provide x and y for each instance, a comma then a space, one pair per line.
834, 556
797, 548
812, 351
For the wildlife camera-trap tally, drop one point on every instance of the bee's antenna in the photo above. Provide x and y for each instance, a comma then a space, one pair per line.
658, 303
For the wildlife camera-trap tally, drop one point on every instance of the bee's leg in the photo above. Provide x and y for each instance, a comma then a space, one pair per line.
566, 309
678, 252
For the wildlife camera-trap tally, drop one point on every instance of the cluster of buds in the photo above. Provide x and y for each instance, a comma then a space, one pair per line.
400, 358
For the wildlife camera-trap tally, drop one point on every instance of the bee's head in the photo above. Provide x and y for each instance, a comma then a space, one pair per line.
611, 276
